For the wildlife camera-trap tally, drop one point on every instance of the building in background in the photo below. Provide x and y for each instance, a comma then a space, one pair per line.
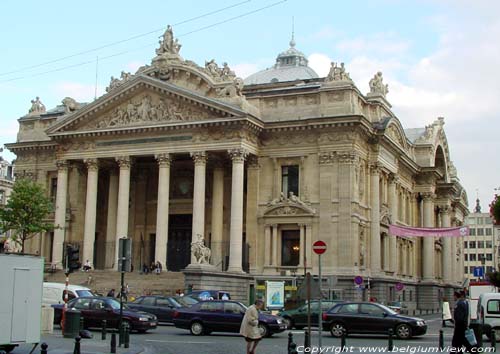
481, 246
181, 157
6, 185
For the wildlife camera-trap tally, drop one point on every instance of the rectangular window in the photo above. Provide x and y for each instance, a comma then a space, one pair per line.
465, 244
480, 244
488, 232
472, 244
489, 244
466, 257
53, 189
290, 248
493, 306
489, 257
471, 221
488, 221
466, 270
472, 232
290, 180
480, 232
479, 221
472, 257
471, 269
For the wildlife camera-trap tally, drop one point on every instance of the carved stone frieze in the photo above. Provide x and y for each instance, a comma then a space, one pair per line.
150, 109
76, 146
329, 157
291, 205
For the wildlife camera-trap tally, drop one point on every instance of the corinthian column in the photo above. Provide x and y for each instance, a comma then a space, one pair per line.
200, 164
123, 200
162, 208
90, 210
447, 246
428, 249
236, 230
217, 215
393, 203
111, 218
375, 219
60, 213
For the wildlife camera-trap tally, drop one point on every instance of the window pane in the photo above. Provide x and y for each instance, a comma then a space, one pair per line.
148, 301
480, 232
493, 306
351, 308
290, 180
290, 248
489, 257
480, 244
488, 232
472, 232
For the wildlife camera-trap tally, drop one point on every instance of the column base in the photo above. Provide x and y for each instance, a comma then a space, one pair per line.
237, 270
199, 266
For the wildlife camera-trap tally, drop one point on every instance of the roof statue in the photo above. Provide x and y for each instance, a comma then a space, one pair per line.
114, 83
168, 44
337, 73
377, 86
70, 104
37, 106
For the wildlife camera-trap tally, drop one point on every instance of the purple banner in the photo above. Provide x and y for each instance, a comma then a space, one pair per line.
429, 231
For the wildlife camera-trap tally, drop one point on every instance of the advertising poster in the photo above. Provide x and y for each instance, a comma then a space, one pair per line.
275, 294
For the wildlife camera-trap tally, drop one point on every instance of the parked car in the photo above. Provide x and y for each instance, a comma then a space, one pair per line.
372, 318
297, 317
186, 300
396, 306
53, 293
203, 295
96, 309
222, 316
488, 312
162, 307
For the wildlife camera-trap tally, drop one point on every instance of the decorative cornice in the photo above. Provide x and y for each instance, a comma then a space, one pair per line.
199, 157
163, 159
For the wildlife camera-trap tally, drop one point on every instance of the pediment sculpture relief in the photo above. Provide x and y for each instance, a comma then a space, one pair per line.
147, 109
291, 205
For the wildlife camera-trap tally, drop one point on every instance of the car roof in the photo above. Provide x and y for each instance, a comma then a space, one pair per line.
63, 286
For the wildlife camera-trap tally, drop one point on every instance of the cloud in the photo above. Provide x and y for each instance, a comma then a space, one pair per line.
79, 91
382, 43
320, 63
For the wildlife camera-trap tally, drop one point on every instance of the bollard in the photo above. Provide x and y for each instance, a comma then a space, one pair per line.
44, 348
307, 340
343, 345
103, 333
126, 335
113, 343
493, 340
390, 345
290, 341
82, 327
77, 346
120, 334
441, 340
293, 348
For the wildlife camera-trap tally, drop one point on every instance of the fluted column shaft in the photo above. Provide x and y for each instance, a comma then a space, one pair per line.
447, 247
90, 210
375, 220
393, 203
302, 244
428, 249
267, 244
275, 244
60, 213
123, 202
200, 165
217, 215
236, 229
111, 218
162, 208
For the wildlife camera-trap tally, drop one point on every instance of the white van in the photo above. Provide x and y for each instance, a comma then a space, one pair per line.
53, 293
488, 312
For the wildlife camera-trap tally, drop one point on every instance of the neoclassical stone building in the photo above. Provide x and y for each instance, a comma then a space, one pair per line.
257, 169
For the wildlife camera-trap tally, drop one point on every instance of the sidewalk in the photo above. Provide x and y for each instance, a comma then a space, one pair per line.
57, 344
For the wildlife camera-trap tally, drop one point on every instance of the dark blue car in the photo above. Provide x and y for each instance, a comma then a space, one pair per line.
222, 316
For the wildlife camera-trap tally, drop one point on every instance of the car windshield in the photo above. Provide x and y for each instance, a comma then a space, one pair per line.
387, 309
186, 300
83, 293
115, 305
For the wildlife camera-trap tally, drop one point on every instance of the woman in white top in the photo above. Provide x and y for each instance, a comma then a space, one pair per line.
446, 312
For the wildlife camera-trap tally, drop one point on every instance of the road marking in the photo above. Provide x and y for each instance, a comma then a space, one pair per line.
176, 341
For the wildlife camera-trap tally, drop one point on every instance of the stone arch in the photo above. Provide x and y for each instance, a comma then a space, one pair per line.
441, 162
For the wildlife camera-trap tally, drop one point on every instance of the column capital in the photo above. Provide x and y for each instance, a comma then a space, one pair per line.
92, 164
253, 161
238, 155
199, 157
163, 159
124, 161
393, 178
427, 196
444, 209
375, 168
62, 164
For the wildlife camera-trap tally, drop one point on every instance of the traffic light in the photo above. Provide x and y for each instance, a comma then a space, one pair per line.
125, 255
72, 258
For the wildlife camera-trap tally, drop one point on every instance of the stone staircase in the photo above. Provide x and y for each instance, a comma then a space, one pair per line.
101, 281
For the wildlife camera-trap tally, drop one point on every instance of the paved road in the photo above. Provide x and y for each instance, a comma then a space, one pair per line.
170, 340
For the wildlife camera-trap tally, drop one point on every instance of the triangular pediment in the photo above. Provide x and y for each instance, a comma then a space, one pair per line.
292, 206
145, 102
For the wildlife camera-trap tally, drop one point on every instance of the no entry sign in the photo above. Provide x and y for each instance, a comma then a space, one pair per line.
319, 247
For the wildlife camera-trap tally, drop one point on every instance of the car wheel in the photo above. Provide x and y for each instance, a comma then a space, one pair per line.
8, 348
337, 329
196, 329
403, 331
289, 322
264, 331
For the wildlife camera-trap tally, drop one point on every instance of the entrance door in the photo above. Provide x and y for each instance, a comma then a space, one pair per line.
290, 248
179, 241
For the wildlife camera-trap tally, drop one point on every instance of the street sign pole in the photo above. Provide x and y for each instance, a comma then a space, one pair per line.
320, 319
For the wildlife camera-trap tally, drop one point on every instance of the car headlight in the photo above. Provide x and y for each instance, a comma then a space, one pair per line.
144, 319
420, 323
279, 320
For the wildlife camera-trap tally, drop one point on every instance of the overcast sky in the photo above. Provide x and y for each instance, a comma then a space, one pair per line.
440, 58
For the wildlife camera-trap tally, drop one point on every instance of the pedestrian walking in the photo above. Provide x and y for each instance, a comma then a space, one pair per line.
461, 318
111, 293
446, 312
250, 326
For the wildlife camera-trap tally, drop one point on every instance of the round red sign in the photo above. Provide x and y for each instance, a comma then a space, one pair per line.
319, 247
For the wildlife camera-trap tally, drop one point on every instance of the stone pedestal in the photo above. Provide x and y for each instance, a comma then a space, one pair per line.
428, 298
203, 277
47, 320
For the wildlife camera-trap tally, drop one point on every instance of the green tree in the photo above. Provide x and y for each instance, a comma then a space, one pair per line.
494, 278
26, 212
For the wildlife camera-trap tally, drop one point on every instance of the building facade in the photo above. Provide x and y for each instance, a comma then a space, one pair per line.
178, 155
6, 185
481, 246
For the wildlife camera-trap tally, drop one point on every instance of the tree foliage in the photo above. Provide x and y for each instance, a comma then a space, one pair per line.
26, 212
494, 278
495, 210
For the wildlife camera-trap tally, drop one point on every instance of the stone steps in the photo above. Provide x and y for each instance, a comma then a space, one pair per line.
101, 281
